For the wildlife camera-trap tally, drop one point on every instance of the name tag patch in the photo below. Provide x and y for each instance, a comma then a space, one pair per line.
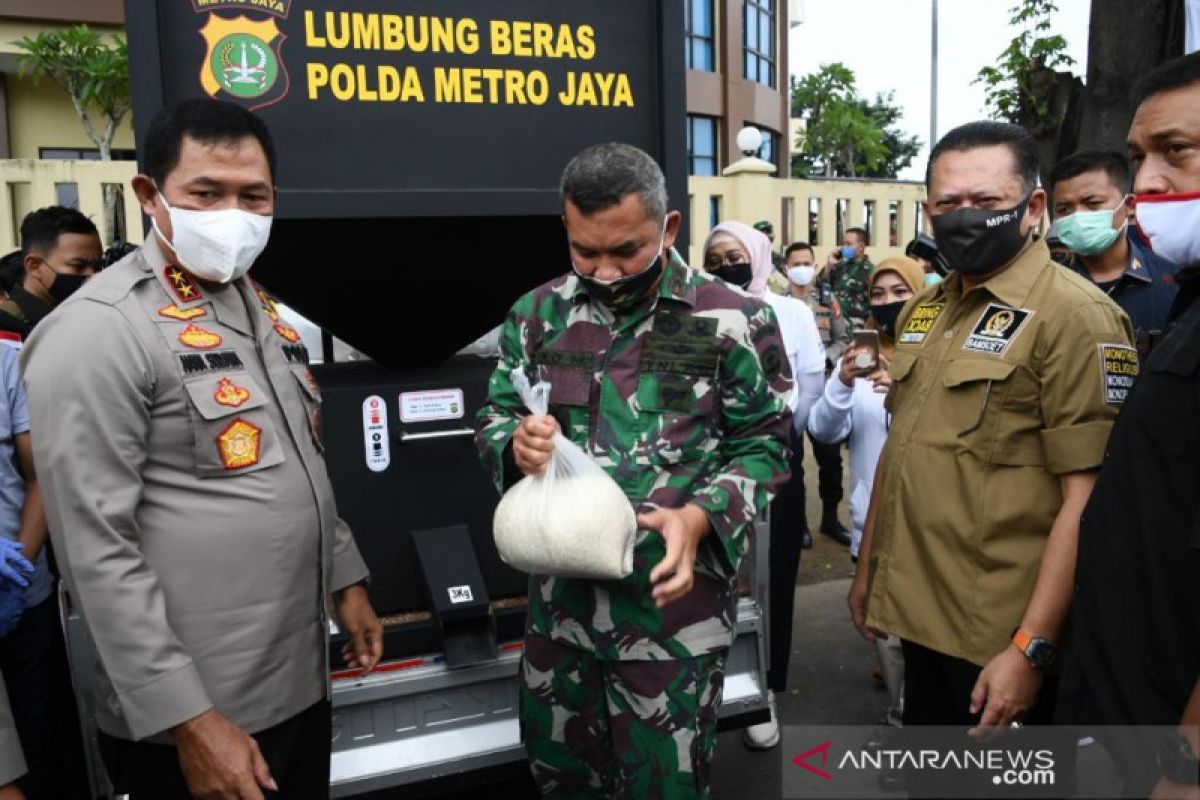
1119, 363
996, 329
192, 363
921, 323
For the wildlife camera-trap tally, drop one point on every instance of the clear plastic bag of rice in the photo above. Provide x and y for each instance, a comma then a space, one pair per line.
572, 521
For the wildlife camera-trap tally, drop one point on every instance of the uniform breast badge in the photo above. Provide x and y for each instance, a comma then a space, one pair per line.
268, 305
199, 338
997, 327
183, 315
230, 394
287, 332
239, 444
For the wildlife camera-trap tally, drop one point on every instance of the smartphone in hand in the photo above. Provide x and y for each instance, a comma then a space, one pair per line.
866, 343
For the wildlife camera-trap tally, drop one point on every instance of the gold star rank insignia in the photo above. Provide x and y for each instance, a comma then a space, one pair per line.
175, 312
182, 284
239, 444
230, 394
199, 338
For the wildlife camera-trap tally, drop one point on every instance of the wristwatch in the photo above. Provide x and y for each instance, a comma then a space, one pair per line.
1039, 651
1176, 761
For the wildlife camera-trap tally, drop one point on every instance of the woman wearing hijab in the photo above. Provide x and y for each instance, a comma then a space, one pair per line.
741, 256
852, 407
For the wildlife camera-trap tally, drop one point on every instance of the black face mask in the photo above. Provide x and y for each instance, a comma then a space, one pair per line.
977, 242
885, 317
623, 293
64, 285
737, 274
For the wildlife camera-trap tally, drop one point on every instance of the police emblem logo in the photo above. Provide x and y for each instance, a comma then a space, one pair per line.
239, 444
1119, 369
230, 394
920, 323
182, 284
996, 329
199, 338
243, 60
287, 332
183, 315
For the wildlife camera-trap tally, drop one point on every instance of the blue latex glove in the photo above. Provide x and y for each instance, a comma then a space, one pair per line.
12, 606
14, 567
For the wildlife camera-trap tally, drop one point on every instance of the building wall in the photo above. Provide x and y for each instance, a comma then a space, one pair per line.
42, 116
99, 12
726, 93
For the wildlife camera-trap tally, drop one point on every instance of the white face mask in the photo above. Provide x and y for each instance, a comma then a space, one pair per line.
1172, 224
218, 246
802, 275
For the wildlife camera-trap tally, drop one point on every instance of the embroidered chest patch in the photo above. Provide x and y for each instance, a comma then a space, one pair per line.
184, 287
996, 329
239, 444
230, 394
183, 315
199, 338
920, 323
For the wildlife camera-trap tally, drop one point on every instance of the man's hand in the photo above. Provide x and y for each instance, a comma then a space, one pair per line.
1005, 690
533, 443
681, 529
857, 600
10, 791
357, 617
220, 761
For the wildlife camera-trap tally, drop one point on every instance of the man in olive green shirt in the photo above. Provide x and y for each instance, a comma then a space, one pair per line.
1006, 380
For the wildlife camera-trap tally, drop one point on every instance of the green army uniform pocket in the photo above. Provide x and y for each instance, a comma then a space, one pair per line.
231, 431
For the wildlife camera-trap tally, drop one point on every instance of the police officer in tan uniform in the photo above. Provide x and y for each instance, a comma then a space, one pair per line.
176, 433
1006, 377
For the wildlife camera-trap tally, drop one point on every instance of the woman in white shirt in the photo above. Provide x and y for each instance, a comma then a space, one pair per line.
851, 407
741, 256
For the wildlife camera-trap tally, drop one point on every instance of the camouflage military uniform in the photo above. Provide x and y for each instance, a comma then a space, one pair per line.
681, 401
851, 283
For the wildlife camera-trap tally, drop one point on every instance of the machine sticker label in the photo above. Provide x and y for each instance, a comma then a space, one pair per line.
1119, 365
375, 434
431, 405
997, 327
921, 323
460, 594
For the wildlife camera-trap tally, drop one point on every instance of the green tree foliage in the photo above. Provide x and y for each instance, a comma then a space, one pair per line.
1013, 94
844, 134
93, 72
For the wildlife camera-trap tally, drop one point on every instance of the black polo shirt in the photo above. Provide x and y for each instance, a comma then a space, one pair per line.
1136, 618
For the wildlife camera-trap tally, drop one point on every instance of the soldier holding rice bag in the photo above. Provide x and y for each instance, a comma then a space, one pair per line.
676, 385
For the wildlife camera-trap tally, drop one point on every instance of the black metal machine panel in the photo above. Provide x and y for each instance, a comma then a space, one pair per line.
429, 478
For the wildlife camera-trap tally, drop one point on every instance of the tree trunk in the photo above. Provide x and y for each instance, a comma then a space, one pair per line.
1126, 40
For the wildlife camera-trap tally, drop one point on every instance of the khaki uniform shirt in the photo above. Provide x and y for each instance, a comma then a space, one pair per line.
175, 435
995, 395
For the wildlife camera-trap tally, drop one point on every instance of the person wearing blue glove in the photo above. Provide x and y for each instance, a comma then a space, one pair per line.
14, 567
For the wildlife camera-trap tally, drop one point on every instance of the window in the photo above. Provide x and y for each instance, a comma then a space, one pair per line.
699, 36
758, 24
770, 146
82, 154
701, 145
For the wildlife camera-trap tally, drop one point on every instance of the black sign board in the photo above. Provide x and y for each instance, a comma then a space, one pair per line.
424, 107
420, 142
